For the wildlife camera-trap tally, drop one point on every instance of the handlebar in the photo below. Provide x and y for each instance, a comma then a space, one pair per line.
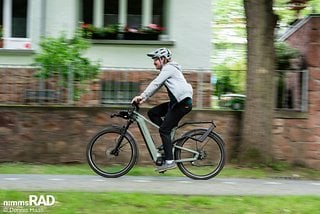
126, 114
135, 106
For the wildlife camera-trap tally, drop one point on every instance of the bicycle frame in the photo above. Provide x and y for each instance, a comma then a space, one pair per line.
142, 124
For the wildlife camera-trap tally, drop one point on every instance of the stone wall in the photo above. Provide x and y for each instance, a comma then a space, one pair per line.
60, 134
297, 140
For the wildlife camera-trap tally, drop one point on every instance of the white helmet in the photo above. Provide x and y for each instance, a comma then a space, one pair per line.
161, 52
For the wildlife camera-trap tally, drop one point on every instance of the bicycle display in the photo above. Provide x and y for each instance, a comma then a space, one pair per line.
113, 151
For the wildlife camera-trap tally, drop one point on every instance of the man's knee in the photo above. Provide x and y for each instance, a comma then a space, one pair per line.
163, 130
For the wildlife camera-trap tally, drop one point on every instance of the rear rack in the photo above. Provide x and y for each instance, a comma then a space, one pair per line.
197, 122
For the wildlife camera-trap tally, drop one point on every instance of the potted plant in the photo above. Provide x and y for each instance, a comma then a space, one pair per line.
91, 32
86, 30
150, 32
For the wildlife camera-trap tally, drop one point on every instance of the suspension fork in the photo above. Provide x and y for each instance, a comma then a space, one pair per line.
123, 131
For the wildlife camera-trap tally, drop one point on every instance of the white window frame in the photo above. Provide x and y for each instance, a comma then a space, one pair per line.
99, 10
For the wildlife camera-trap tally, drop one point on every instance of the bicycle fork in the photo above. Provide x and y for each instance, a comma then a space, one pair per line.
124, 129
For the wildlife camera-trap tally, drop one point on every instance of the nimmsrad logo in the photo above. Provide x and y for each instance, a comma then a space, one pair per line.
36, 203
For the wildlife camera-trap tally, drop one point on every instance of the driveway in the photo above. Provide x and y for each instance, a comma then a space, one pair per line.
159, 185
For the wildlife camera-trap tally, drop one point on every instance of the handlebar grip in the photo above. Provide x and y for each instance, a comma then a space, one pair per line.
136, 106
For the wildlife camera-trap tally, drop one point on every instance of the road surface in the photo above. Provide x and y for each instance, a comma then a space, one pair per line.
159, 185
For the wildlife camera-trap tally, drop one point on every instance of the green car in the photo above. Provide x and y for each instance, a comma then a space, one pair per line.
233, 101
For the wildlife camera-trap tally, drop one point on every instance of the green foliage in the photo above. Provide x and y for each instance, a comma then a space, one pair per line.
230, 78
287, 16
283, 55
89, 31
62, 56
232, 11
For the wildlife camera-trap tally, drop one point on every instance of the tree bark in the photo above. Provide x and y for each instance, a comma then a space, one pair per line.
256, 143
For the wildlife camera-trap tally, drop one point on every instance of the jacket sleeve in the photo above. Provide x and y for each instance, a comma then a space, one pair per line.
156, 83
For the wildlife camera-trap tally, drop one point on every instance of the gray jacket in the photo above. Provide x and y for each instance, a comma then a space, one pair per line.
171, 76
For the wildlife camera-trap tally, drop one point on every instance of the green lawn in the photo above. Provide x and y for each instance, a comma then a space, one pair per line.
115, 202
122, 203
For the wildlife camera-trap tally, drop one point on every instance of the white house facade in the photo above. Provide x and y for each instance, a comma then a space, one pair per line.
186, 23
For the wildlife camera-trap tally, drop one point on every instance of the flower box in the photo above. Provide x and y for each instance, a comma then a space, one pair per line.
111, 36
140, 36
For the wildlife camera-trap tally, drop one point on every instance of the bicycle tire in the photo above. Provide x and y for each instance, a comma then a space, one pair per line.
211, 159
103, 162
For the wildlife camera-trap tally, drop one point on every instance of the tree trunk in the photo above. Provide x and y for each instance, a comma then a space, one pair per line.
256, 140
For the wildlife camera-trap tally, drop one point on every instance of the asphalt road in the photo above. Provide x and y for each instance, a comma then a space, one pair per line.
159, 185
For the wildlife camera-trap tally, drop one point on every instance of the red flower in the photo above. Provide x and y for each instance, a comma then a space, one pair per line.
155, 27
85, 26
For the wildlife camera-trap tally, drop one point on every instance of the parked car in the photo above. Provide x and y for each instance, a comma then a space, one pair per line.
233, 101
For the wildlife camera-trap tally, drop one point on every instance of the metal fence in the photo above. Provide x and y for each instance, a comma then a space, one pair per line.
112, 86
22, 85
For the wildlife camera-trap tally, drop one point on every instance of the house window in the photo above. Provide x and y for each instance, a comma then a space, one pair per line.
87, 11
157, 12
292, 90
111, 12
19, 18
15, 18
134, 17
126, 13
114, 92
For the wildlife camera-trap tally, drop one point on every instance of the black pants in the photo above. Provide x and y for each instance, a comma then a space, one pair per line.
167, 117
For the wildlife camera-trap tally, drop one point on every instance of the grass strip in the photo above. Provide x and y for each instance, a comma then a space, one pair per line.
115, 202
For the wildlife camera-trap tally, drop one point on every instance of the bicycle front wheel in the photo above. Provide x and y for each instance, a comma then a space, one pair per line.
108, 160
200, 160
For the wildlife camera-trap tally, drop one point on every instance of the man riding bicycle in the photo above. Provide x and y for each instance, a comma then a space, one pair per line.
167, 115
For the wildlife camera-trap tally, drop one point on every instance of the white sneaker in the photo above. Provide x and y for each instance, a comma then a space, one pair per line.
166, 166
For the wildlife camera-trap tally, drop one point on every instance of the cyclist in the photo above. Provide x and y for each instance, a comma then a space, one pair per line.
167, 115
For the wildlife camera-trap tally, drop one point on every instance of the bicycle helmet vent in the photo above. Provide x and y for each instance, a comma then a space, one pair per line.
161, 52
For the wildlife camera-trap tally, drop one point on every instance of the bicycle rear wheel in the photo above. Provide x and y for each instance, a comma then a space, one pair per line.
108, 161
211, 157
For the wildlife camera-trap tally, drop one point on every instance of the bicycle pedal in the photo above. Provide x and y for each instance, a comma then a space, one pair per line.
162, 171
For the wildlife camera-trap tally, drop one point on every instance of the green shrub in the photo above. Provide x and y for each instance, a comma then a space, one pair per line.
64, 57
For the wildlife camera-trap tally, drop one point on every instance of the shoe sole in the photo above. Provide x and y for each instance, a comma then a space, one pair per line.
163, 170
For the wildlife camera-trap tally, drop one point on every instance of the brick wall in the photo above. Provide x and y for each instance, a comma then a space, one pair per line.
297, 140
15, 82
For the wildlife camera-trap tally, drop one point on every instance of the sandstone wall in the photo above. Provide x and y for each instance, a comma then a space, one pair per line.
60, 134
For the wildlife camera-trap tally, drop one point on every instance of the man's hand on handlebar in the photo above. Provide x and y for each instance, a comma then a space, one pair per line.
138, 100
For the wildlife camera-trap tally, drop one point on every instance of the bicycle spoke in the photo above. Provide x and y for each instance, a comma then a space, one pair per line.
106, 159
210, 158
